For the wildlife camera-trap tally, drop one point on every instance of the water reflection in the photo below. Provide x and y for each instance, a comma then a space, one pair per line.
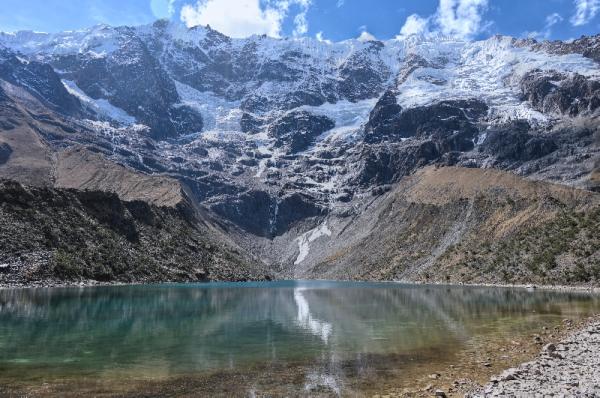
307, 321
336, 331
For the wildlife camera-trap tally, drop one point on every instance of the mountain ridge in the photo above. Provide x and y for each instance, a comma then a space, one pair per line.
281, 141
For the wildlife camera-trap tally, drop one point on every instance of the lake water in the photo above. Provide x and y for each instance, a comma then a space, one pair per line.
235, 339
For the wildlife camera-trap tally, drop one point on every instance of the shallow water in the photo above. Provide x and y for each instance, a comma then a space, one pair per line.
279, 338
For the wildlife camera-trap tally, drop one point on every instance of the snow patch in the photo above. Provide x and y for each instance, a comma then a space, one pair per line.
481, 139
307, 238
490, 70
262, 166
217, 113
349, 117
101, 106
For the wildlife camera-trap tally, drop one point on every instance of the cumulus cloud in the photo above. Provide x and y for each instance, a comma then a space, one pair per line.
458, 18
300, 21
461, 18
243, 18
414, 25
366, 36
585, 11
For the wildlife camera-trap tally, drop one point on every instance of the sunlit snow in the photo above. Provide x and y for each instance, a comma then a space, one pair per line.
101, 106
307, 238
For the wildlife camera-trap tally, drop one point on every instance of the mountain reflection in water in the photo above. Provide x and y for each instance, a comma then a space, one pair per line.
331, 329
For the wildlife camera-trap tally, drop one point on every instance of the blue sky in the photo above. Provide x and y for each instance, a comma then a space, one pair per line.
328, 19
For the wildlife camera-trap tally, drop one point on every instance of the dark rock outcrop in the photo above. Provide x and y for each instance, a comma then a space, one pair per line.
132, 79
40, 80
261, 214
360, 78
251, 124
385, 118
588, 46
297, 130
453, 122
63, 235
5, 152
513, 142
560, 94
387, 164
251, 211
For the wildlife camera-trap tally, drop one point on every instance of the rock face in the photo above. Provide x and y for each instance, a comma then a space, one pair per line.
41, 80
278, 139
5, 151
57, 236
385, 119
557, 93
450, 121
132, 80
297, 131
513, 142
588, 46
388, 164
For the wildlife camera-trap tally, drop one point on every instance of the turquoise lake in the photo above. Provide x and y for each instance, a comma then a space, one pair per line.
248, 339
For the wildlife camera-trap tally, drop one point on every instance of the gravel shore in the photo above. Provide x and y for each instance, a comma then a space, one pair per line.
569, 368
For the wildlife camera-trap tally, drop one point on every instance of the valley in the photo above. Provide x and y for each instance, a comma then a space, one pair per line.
443, 183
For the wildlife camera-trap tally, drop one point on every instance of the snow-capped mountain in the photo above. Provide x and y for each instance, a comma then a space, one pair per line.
277, 136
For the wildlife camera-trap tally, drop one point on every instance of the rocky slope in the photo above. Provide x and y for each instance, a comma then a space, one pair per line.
466, 225
285, 140
55, 236
566, 368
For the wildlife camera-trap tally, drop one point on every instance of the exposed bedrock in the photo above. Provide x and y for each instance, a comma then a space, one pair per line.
557, 93
298, 130
452, 121
264, 215
5, 152
513, 142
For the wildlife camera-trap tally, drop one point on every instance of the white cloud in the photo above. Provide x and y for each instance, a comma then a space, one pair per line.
162, 8
319, 37
300, 22
585, 11
366, 36
340, 3
551, 20
461, 18
414, 25
458, 18
243, 18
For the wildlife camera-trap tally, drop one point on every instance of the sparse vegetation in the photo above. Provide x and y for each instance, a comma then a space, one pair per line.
564, 249
68, 235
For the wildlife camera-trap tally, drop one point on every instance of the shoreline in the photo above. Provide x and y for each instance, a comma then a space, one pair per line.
532, 287
565, 367
523, 362
83, 284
